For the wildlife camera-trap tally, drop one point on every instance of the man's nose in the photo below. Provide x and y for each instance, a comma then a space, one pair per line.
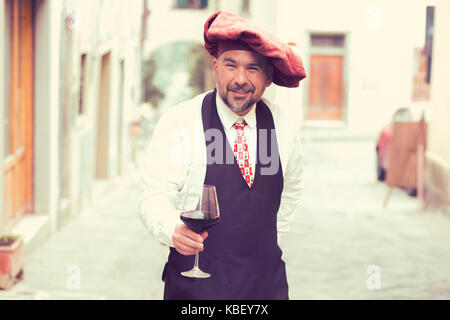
241, 76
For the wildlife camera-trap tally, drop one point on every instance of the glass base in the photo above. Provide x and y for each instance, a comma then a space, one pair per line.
195, 273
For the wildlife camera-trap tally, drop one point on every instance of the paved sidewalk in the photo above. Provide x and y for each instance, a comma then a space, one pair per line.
342, 245
105, 253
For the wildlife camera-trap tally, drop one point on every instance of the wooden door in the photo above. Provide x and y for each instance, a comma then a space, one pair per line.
103, 116
325, 87
18, 135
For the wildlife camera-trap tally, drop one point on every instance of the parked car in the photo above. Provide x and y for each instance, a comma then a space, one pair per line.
412, 113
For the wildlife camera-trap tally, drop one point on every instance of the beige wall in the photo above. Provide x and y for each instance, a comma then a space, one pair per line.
114, 27
437, 177
380, 42
104, 26
47, 111
167, 25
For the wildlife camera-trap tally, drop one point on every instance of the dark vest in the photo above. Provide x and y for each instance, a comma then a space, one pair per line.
241, 252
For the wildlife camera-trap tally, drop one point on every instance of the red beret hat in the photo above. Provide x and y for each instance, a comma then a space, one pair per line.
224, 26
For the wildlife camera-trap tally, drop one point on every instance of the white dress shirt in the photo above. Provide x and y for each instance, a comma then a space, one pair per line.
229, 118
177, 155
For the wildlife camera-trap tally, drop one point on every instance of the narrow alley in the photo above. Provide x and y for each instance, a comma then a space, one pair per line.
85, 82
342, 244
342, 236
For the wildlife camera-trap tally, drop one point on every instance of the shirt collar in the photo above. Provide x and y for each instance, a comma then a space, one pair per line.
228, 117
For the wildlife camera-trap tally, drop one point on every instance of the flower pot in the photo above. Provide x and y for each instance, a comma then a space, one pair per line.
11, 261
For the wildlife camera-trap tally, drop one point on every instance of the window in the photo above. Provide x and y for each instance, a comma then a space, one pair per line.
191, 4
327, 40
82, 99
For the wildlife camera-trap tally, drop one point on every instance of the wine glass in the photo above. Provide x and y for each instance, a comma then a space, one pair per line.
200, 211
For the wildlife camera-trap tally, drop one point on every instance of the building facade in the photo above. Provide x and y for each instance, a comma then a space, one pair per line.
72, 70
361, 57
70, 87
437, 173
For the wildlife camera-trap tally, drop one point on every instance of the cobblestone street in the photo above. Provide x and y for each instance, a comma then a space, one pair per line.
342, 229
339, 233
85, 84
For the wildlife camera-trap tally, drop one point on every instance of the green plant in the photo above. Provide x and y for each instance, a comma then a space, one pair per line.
6, 240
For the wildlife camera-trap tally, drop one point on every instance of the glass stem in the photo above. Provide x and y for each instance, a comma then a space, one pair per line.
196, 262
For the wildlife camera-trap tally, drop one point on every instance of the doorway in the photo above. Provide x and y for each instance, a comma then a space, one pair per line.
326, 98
102, 153
18, 128
325, 88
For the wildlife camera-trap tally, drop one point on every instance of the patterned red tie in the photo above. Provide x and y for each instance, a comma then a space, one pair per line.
241, 152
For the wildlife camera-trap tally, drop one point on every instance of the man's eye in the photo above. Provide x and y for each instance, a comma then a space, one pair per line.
230, 65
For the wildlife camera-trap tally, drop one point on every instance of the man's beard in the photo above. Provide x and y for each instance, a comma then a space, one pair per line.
237, 107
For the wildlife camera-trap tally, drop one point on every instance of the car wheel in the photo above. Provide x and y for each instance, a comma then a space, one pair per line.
381, 172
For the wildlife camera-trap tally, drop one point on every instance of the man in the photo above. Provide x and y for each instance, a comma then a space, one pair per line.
258, 189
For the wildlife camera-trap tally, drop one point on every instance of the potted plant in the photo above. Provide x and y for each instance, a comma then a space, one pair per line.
11, 260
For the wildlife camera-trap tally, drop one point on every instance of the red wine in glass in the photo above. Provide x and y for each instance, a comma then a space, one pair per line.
200, 211
197, 222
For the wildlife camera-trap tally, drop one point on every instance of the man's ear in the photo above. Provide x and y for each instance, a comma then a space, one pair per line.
269, 76
214, 69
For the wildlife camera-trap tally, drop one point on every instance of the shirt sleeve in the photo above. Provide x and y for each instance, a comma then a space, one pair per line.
293, 186
163, 175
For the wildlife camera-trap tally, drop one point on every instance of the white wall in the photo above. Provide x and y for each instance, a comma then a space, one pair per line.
382, 37
168, 25
103, 26
46, 143
120, 31
439, 132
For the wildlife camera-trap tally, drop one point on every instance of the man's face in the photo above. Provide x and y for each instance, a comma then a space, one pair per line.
241, 77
